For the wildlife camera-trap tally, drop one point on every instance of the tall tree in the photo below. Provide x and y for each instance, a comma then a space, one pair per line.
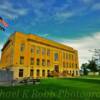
84, 68
92, 66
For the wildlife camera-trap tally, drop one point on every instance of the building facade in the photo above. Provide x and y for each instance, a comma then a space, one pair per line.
30, 55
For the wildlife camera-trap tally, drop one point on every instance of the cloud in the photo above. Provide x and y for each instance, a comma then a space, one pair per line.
83, 45
96, 6
69, 10
88, 1
62, 16
45, 35
7, 9
72, 9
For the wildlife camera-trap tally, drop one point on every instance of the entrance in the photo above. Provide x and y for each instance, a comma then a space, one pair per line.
57, 68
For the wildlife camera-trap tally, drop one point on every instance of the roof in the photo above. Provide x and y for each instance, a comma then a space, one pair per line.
35, 38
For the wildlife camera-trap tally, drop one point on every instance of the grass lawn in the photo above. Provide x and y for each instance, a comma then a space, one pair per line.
55, 89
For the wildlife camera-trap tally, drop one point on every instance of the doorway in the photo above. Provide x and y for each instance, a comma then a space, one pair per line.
56, 68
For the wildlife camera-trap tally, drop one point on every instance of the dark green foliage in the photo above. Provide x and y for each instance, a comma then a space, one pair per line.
92, 66
84, 67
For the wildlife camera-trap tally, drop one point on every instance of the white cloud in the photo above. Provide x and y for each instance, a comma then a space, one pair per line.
96, 6
83, 45
45, 35
62, 16
7, 9
8, 15
88, 1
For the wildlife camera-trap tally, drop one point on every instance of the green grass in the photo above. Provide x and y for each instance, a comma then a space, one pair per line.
91, 77
55, 89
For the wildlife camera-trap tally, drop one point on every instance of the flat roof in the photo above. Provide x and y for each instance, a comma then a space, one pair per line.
35, 38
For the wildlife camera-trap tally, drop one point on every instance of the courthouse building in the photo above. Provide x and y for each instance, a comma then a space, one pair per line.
30, 55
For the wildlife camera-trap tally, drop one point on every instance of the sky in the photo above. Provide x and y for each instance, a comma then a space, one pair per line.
72, 22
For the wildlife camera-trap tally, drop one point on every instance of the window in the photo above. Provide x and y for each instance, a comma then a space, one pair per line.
70, 72
63, 55
20, 72
76, 72
72, 57
73, 73
66, 56
72, 65
31, 72
38, 50
38, 61
32, 50
63, 64
48, 52
43, 51
48, 62
56, 56
67, 72
43, 62
22, 46
48, 72
56, 68
43, 73
69, 56
76, 66
67, 64
32, 61
38, 73
21, 60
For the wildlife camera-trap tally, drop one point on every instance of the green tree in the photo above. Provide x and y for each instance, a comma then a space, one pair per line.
84, 68
92, 66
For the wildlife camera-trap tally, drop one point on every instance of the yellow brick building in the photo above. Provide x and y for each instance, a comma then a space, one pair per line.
30, 55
